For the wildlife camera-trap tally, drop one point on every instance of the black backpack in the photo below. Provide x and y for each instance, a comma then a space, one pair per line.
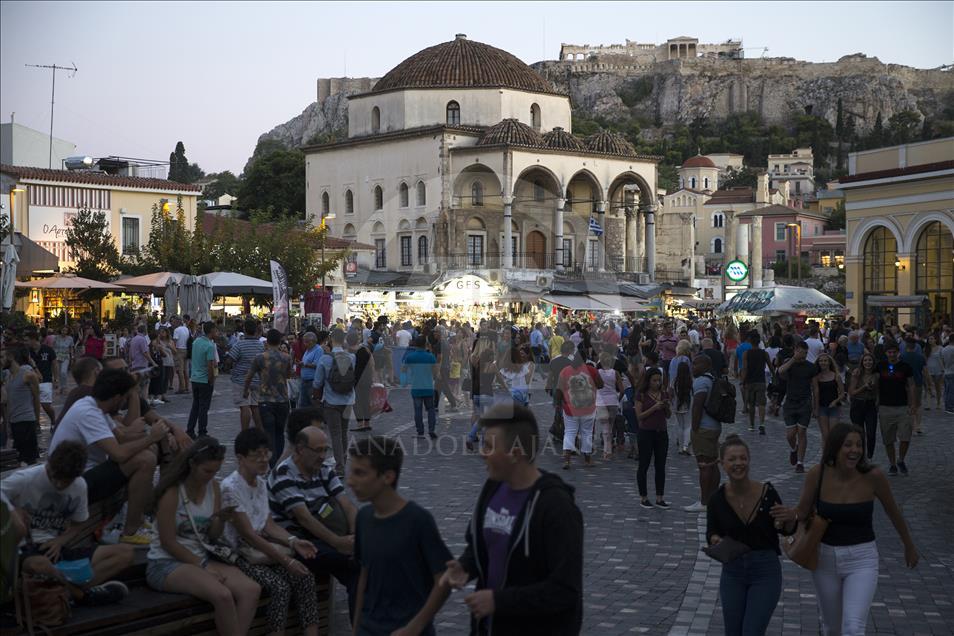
342, 378
720, 401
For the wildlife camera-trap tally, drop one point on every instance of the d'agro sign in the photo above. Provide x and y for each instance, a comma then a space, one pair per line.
736, 271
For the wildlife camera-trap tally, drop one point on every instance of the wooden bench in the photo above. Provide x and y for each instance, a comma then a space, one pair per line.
9, 459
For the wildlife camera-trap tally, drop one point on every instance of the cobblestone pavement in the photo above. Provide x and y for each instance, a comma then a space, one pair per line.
643, 569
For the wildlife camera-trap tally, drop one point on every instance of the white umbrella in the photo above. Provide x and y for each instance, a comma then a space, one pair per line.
782, 299
8, 277
154, 283
234, 284
171, 296
67, 281
203, 299
188, 295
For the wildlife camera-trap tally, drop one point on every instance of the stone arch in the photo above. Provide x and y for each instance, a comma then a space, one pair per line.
585, 204
646, 194
476, 223
917, 226
349, 231
404, 226
534, 178
860, 234
377, 228
421, 224
490, 186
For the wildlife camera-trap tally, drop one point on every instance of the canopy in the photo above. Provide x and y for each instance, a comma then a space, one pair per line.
234, 284
576, 303
896, 301
32, 257
67, 281
150, 283
769, 301
622, 303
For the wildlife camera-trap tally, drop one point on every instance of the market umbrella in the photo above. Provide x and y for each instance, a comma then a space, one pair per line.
235, 284
155, 283
171, 296
67, 281
9, 275
203, 299
188, 295
782, 299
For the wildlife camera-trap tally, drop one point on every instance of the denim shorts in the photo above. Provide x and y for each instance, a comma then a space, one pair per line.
829, 411
157, 570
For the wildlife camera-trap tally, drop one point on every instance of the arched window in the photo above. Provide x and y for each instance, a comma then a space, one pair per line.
403, 196
718, 220
692, 182
453, 114
378, 198
539, 192
935, 266
349, 232
535, 117
881, 252
705, 183
375, 120
421, 194
477, 194
717, 245
349, 202
422, 250
325, 204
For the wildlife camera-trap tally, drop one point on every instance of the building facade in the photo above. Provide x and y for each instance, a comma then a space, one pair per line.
795, 168
22, 146
899, 206
679, 48
46, 201
461, 151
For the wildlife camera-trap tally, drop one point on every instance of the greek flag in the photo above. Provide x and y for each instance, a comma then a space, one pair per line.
595, 227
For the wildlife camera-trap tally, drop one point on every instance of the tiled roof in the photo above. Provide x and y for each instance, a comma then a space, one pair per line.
698, 162
782, 210
96, 178
463, 63
732, 195
561, 140
610, 143
511, 132
899, 172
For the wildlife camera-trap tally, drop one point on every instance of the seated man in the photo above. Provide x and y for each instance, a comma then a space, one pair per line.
116, 455
51, 502
299, 419
307, 499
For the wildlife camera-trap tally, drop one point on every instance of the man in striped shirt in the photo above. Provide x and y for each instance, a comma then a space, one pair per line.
307, 499
240, 356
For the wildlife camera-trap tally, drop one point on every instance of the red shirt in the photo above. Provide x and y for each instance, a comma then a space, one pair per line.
564, 382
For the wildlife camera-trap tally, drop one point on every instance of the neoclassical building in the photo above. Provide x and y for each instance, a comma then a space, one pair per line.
462, 158
899, 207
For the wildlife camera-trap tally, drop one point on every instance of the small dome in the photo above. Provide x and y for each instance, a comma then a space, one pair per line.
561, 140
698, 162
609, 143
512, 132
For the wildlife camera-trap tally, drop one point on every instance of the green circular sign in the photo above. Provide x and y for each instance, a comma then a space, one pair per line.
736, 271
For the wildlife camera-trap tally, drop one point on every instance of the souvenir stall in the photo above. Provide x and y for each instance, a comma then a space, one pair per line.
780, 304
63, 295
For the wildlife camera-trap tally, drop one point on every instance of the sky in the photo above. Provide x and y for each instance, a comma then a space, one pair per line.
216, 75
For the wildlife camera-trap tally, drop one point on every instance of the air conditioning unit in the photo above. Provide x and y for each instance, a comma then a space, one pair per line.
642, 279
545, 280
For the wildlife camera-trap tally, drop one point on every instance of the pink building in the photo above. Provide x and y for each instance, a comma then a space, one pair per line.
778, 238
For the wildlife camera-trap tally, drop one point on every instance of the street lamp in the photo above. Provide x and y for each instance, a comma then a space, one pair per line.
13, 199
797, 228
324, 235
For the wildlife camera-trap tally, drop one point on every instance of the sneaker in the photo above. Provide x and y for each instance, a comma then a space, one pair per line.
761, 430
662, 504
903, 468
106, 594
587, 459
893, 471
140, 537
799, 468
432, 435
696, 507
646, 504
793, 458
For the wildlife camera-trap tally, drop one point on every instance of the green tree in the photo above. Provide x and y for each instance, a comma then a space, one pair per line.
180, 170
840, 122
837, 219
667, 177
224, 183
171, 246
94, 250
275, 183
817, 134
745, 176
903, 126
876, 137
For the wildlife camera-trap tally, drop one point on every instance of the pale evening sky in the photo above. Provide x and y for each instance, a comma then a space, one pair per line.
218, 74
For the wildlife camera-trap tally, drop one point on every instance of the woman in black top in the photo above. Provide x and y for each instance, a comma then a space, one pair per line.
742, 509
842, 488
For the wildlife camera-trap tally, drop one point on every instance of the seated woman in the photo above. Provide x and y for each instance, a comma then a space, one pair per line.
252, 526
190, 516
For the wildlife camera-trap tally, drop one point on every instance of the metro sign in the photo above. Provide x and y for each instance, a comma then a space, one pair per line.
736, 271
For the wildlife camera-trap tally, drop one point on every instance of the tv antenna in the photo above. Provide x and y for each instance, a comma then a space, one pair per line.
72, 69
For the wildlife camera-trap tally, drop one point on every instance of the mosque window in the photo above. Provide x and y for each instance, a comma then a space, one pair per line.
453, 114
477, 194
535, 117
378, 198
375, 119
421, 194
403, 195
349, 202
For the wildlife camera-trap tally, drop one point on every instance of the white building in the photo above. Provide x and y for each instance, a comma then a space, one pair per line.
22, 146
461, 150
795, 168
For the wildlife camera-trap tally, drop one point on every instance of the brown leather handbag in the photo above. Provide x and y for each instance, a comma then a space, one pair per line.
43, 602
802, 547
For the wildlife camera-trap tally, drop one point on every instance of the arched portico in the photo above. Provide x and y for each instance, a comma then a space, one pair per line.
631, 244
537, 195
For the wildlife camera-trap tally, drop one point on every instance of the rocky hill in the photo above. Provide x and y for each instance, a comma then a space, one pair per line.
682, 91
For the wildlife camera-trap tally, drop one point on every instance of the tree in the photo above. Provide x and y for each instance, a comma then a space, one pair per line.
171, 247
180, 170
745, 176
840, 122
4, 227
837, 219
224, 183
903, 126
275, 183
876, 137
92, 245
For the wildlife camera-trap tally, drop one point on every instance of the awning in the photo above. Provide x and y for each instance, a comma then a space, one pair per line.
33, 258
576, 303
622, 303
896, 301
154, 283
782, 299
67, 281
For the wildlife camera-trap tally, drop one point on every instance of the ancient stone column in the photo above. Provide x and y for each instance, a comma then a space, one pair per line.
755, 270
687, 219
728, 247
558, 235
508, 232
632, 225
640, 240
601, 250
650, 211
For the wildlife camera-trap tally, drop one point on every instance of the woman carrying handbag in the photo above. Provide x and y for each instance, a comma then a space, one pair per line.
846, 575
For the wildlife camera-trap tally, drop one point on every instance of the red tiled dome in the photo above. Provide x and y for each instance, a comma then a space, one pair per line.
561, 140
698, 162
609, 143
463, 63
512, 132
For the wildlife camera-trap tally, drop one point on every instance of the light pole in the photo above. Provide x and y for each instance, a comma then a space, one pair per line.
324, 235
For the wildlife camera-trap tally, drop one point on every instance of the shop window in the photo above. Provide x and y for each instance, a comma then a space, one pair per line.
475, 250
422, 250
406, 251
935, 267
130, 235
380, 254
403, 195
881, 252
453, 114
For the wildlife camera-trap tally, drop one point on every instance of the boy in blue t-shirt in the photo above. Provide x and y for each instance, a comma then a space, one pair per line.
397, 544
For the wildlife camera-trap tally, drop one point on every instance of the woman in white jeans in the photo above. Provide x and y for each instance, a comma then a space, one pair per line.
845, 487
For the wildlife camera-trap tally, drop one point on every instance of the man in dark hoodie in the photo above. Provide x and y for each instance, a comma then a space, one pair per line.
524, 541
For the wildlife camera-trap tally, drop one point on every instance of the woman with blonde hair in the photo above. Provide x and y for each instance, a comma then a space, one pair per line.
828, 391
863, 389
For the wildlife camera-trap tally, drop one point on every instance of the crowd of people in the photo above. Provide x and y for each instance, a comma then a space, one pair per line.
285, 514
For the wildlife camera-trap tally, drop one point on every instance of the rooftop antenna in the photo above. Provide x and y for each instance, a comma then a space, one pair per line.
72, 69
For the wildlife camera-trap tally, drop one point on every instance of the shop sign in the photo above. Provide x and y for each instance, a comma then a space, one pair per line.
468, 285
49, 225
337, 297
351, 269
736, 271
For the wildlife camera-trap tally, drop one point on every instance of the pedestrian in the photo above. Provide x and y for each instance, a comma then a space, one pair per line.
755, 362
364, 376
44, 360
140, 360
22, 415
202, 376
797, 373
439, 348
842, 488
239, 359
607, 403
652, 439
895, 407
914, 358
828, 392
419, 365
577, 386
947, 364
710, 350
742, 510
666, 347
705, 433
181, 336
168, 348
63, 346
934, 382
309, 363
863, 390
514, 373
524, 540
682, 403
397, 544
335, 378
271, 369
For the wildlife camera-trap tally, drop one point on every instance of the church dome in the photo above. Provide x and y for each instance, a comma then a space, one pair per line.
698, 162
463, 63
560, 139
512, 132
609, 143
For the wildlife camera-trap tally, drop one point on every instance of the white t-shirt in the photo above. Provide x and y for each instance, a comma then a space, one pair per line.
403, 338
815, 348
181, 335
253, 501
50, 509
85, 423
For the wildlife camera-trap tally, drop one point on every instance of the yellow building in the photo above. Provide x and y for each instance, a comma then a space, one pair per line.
899, 204
46, 201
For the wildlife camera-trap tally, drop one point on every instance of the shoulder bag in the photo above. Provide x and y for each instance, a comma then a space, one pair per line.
219, 551
802, 547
